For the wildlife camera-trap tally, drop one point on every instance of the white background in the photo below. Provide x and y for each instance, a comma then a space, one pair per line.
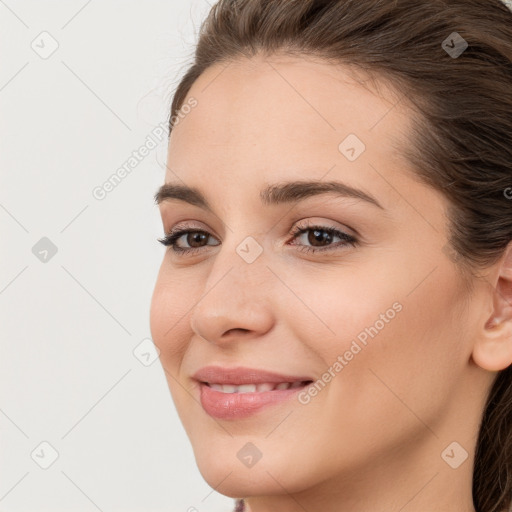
69, 325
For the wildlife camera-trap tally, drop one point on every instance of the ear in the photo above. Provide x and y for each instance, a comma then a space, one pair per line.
493, 347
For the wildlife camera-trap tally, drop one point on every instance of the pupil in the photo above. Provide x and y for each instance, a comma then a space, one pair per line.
196, 237
317, 237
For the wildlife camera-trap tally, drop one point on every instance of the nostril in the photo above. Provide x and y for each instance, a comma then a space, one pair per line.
235, 330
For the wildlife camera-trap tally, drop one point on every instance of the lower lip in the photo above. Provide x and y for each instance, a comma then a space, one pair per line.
241, 405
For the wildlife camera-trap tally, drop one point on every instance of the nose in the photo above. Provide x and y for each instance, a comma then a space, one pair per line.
236, 301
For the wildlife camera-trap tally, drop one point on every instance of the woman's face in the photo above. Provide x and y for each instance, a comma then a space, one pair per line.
377, 317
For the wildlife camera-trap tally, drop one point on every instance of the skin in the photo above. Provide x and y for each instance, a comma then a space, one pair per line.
372, 439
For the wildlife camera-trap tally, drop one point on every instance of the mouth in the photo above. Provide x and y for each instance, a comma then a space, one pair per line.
257, 388
236, 393
240, 379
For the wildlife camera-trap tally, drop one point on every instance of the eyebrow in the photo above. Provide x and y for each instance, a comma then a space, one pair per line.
271, 195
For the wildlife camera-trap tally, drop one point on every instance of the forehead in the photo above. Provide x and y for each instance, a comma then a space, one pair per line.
267, 117
306, 86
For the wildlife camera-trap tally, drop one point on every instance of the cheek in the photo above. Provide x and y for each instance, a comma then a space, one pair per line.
393, 315
333, 310
386, 328
169, 304
170, 333
408, 367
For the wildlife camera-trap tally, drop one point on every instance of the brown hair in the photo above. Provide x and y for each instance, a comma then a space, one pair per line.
460, 142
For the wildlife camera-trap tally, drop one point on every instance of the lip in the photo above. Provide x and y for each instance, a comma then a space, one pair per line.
241, 375
231, 406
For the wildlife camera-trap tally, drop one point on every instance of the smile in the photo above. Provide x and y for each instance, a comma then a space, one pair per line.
233, 393
256, 388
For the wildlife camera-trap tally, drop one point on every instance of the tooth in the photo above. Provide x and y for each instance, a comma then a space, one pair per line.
253, 388
264, 387
247, 388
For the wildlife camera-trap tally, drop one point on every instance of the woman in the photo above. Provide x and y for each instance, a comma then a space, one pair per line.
334, 308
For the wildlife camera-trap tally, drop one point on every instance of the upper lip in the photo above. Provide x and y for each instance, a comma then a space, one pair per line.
241, 375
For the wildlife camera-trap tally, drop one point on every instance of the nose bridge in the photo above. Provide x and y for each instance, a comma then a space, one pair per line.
236, 293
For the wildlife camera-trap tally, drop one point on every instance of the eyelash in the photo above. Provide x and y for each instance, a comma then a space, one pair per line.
171, 238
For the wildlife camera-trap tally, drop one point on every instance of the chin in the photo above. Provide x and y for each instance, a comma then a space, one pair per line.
225, 473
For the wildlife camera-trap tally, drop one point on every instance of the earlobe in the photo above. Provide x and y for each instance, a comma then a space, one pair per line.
494, 351
493, 348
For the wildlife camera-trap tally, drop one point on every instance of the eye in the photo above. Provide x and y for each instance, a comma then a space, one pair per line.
193, 237
320, 237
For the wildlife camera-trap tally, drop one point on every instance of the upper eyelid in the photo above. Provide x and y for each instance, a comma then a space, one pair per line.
296, 227
295, 232
186, 228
